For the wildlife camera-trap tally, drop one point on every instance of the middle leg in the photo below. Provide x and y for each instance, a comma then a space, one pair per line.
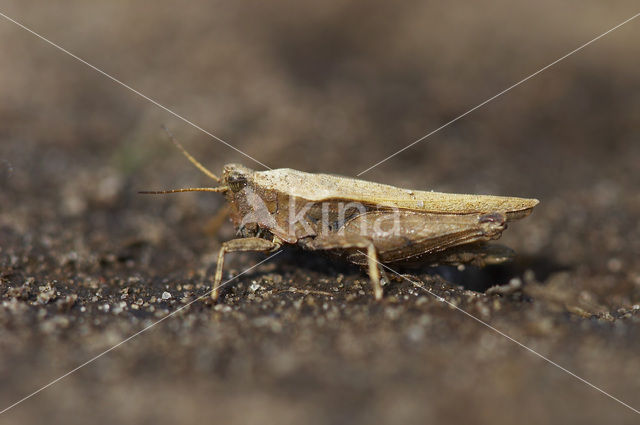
342, 242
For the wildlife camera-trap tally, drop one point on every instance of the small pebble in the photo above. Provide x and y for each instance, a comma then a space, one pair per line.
614, 265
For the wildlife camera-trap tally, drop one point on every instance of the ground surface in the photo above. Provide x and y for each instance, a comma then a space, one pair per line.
85, 262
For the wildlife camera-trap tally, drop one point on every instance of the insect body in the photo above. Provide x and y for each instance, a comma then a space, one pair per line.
366, 223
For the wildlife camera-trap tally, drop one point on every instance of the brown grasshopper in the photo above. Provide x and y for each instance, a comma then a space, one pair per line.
368, 224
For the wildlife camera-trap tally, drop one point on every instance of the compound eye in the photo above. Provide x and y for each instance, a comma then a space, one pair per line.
236, 182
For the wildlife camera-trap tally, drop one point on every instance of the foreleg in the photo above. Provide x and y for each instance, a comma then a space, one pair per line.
238, 245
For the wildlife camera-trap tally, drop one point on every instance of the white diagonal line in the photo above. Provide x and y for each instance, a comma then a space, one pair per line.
439, 298
501, 93
91, 360
114, 79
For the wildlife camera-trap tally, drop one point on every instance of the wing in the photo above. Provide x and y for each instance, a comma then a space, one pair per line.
409, 234
322, 187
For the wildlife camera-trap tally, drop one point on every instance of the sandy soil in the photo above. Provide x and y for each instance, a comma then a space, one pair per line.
86, 262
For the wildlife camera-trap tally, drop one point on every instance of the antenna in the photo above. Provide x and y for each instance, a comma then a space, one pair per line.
189, 156
188, 189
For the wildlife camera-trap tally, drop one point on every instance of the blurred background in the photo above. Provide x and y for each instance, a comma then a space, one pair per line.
334, 86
